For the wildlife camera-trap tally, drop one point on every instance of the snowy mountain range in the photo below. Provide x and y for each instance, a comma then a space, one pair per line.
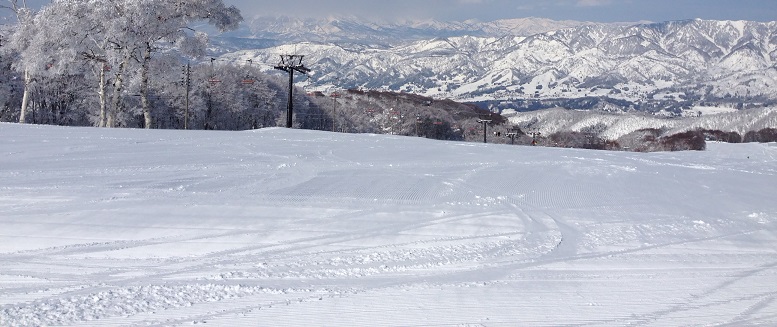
530, 63
613, 126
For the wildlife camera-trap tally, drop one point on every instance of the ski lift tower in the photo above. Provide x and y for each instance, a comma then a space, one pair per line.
512, 134
534, 137
290, 64
485, 123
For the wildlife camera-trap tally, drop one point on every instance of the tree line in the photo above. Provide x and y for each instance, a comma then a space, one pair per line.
109, 63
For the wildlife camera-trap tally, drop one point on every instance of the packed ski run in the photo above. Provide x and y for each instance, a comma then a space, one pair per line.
280, 227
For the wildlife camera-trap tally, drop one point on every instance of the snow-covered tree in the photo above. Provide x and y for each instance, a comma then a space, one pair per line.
17, 43
140, 27
9, 81
68, 41
235, 98
116, 37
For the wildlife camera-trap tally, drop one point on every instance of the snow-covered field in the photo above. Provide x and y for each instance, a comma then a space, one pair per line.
277, 227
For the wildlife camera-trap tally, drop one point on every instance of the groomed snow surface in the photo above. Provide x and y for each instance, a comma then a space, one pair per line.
278, 227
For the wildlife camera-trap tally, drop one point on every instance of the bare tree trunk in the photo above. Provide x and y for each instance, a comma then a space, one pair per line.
145, 103
101, 92
25, 97
117, 87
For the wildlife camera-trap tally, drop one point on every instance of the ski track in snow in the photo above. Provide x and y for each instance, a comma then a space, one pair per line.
106, 227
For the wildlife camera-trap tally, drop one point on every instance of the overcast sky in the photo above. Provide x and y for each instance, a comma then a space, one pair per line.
486, 10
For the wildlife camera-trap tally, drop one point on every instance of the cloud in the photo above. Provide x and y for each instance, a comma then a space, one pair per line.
487, 10
593, 3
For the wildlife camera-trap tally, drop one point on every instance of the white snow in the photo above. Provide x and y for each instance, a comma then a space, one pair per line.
705, 110
278, 227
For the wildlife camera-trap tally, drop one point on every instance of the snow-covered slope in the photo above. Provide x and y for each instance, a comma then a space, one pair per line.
110, 227
676, 63
611, 126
